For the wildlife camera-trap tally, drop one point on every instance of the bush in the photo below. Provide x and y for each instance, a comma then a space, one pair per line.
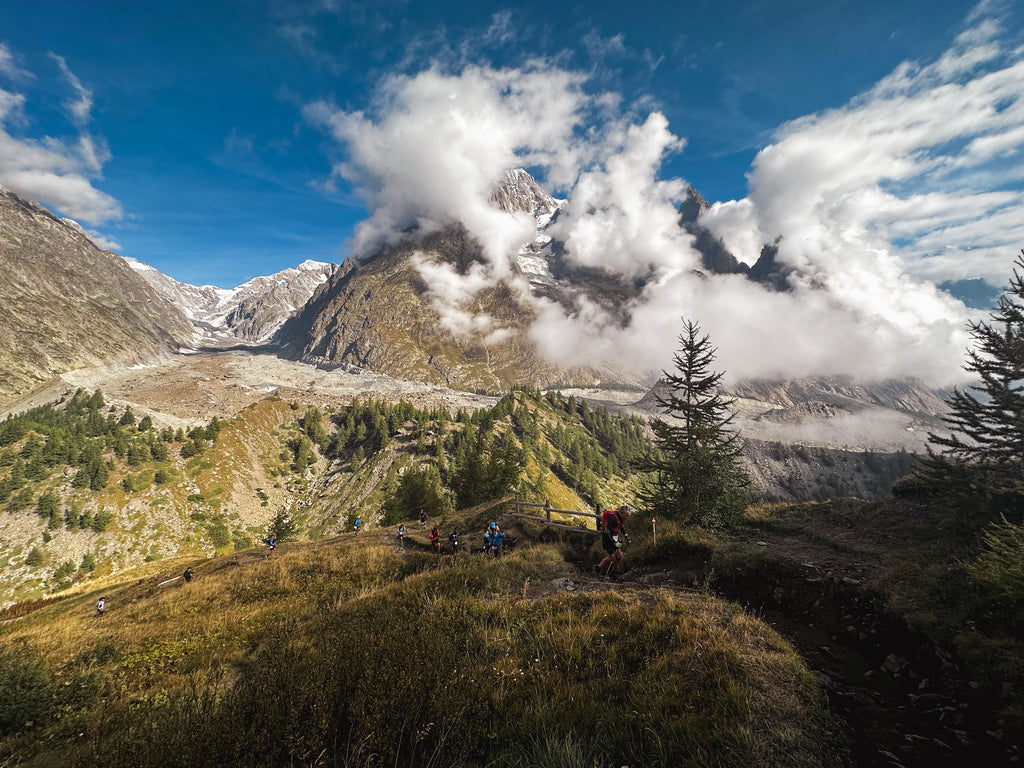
999, 569
34, 558
219, 534
25, 690
101, 520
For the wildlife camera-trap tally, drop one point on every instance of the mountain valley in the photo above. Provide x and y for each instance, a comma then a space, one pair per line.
302, 401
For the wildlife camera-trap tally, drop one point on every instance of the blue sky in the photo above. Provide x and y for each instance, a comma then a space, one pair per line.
204, 161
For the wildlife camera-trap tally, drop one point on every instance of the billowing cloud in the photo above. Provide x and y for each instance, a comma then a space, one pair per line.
919, 179
925, 170
56, 172
430, 150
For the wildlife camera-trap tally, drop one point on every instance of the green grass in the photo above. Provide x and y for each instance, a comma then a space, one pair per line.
351, 652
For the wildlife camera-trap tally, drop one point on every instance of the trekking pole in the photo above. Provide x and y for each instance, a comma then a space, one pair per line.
168, 581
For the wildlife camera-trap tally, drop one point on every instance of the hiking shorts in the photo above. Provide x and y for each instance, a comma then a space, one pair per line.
609, 544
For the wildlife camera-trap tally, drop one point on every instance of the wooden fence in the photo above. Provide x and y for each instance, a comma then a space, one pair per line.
548, 509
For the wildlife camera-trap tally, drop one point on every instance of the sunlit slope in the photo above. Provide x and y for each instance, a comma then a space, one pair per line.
355, 652
90, 491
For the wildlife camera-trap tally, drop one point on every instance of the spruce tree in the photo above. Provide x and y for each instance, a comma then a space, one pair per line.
283, 527
695, 475
979, 466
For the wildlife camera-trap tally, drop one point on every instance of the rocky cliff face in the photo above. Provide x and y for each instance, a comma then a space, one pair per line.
250, 313
64, 303
378, 315
374, 314
717, 258
518, 191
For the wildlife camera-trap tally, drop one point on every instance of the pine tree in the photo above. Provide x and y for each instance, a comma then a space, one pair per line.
695, 476
979, 467
283, 527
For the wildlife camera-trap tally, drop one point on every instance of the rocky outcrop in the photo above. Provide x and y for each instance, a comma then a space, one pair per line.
717, 259
518, 191
65, 303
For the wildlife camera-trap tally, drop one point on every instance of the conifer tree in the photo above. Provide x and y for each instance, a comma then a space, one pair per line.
979, 467
695, 477
283, 527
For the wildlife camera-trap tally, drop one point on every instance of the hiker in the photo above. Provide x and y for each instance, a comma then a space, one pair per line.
357, 525
423, 519
497, 539
435, 539
272, 544
401, 535
453, 539
101, 605
489, 534
612, 522
187, 575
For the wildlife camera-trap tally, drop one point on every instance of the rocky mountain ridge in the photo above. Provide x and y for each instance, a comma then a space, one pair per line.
66, 303
249, 313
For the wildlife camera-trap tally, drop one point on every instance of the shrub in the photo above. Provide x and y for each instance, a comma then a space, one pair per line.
34, 558
999, 569
101, 520
25, 690
219, 534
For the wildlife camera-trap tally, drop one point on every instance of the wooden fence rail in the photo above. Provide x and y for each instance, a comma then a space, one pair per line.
548, 509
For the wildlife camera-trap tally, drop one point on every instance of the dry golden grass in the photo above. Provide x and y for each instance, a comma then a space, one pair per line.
352, 646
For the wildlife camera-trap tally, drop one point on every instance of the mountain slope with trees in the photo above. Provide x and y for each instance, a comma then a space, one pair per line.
161, 492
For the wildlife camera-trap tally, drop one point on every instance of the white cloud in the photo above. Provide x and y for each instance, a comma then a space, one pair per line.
80, 108
908, 167
735, 223
55, 171
620, 216
304, 39
918, 179
432, 147
8, 68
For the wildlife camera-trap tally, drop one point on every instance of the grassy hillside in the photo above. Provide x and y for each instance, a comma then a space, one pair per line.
909, 617
351, 651
90, 490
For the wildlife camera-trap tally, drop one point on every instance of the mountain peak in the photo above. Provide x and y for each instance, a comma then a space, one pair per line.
518, 192
692, 207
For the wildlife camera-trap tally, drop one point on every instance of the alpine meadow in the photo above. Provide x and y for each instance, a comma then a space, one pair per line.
511, 386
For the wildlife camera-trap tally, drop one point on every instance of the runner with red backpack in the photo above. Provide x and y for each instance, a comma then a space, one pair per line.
612, 539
